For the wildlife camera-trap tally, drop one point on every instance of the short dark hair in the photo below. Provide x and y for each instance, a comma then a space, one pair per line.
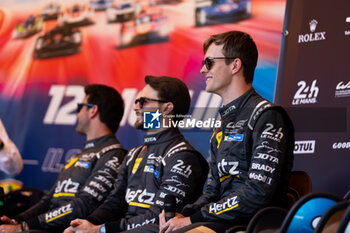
110, 104
237, 44
173, 90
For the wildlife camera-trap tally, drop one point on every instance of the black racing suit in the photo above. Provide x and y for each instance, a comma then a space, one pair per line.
81, 186
251, 162
165, 164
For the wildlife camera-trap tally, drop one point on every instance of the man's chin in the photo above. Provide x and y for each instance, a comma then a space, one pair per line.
207, 88
80, 132
210, 90
138, 125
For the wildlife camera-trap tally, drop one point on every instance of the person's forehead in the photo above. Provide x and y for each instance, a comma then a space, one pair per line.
149, 92
214, 49
86, 99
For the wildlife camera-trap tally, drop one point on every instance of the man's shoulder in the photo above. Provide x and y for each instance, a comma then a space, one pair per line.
270, 112
183, 151
132, 153
110, 151
259, 106
179, 146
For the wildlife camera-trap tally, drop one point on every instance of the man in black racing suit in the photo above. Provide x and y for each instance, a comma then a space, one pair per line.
252, 151
166, 164
87, 178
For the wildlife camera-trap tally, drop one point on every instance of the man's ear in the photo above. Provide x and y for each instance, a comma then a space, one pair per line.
236, 65
168, 108
93, 111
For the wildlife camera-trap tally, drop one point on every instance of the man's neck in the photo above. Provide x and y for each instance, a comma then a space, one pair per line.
155, 131
231, 95
97, 133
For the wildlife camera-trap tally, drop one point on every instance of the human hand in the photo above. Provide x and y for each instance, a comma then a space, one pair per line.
173, 224
69, 230
6, 220
10, 228
162, 220
82, 226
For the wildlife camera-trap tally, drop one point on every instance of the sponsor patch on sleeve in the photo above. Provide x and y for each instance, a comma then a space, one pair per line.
151, 169
136, 165
234, 138
218, 138
71, 162
82, 164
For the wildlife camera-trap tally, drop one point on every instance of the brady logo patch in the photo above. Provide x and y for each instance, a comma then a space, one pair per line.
234, 138
263, 167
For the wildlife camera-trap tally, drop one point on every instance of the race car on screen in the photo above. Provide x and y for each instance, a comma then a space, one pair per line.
100, 5
121, 12
146, 28
218, 11
60, 41
33, 24
51, 11
77, 15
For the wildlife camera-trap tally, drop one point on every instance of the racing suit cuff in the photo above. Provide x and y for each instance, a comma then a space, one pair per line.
94, 220
33, 223
197, 217
187, 212
112, 227
100, 216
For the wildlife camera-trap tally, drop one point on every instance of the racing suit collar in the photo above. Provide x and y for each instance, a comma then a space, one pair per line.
161, 137
235, 104
98, 141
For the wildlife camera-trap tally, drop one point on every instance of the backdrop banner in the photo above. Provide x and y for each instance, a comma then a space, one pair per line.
314, 84
49, 50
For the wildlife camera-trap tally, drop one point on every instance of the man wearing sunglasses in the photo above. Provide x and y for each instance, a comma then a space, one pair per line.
87, 178
166, 164
252, 151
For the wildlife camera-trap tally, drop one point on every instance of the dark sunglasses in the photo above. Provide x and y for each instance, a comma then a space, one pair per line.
81, 105
142, 100
209, 61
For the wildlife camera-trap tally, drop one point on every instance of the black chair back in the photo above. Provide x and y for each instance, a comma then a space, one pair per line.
268, 219
344, 225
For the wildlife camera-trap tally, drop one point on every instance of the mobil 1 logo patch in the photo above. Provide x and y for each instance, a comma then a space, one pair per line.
151, 120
